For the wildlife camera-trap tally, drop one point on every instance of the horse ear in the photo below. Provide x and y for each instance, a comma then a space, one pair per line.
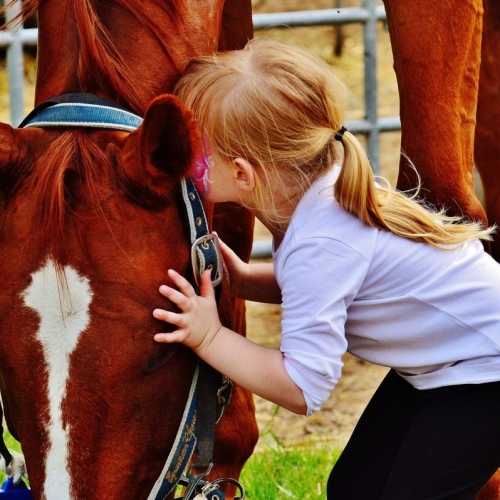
170, 135
161, 151
9, 147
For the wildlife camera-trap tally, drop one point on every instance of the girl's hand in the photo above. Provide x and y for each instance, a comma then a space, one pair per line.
236, 268
259, 369
255, 281
198, 322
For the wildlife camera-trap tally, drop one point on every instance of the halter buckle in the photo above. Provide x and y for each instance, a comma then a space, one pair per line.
206, 254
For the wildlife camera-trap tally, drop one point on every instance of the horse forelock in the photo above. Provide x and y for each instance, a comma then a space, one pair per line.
71, 163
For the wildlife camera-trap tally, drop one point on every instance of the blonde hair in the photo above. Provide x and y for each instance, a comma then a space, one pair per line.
279, 107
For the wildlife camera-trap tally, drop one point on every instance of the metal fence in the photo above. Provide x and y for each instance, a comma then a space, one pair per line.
14, 40
369, 15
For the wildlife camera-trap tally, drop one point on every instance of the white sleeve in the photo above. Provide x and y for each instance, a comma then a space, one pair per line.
319, 279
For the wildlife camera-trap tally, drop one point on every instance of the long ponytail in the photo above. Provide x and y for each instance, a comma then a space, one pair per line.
380, 206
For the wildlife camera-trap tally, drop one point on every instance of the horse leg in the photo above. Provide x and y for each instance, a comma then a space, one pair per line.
234, 225
487, 149
487, 145
436, 46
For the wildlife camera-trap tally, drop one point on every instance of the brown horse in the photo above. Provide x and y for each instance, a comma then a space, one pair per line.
487, 134
437, 59
90, 221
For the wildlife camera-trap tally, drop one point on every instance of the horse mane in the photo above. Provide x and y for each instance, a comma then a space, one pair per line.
71, 160
100, 63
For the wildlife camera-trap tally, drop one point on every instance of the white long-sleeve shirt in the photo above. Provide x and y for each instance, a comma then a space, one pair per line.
432, 314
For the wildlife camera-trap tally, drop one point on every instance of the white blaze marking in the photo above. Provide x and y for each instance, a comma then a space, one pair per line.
64, 315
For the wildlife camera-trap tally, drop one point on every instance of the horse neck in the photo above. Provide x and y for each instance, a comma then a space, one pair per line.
137, 56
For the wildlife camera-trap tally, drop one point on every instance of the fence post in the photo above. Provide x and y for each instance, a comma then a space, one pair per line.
370, 82
15, 67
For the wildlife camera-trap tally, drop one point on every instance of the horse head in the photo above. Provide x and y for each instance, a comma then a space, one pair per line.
90, 221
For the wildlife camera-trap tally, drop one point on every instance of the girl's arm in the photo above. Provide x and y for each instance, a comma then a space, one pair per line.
259, 369
255, 282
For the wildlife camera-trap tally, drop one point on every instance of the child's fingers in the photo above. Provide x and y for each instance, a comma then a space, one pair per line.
230, 257
181, 283
174, 319
206, 288
225, 249
170, 317
178, 298
169, 338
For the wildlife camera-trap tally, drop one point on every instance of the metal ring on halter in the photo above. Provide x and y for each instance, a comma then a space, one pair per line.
231, 481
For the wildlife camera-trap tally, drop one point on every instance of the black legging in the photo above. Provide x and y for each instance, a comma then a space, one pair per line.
421, 445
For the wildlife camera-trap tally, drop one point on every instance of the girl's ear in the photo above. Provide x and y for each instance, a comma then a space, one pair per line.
244, 174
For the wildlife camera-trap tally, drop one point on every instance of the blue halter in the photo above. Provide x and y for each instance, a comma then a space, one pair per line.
81, 110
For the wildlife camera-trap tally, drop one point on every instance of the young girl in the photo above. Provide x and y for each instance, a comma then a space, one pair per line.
358, 267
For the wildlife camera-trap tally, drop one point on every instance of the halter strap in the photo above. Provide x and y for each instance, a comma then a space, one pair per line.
85, 115
81, 110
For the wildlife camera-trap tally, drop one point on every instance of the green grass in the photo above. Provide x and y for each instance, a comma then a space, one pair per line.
279, 473
296, 472
13, 445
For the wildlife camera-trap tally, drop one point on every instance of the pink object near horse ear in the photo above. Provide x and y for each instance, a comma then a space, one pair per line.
201, 168
161, 151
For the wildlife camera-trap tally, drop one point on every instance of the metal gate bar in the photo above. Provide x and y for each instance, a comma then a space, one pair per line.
14, 39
